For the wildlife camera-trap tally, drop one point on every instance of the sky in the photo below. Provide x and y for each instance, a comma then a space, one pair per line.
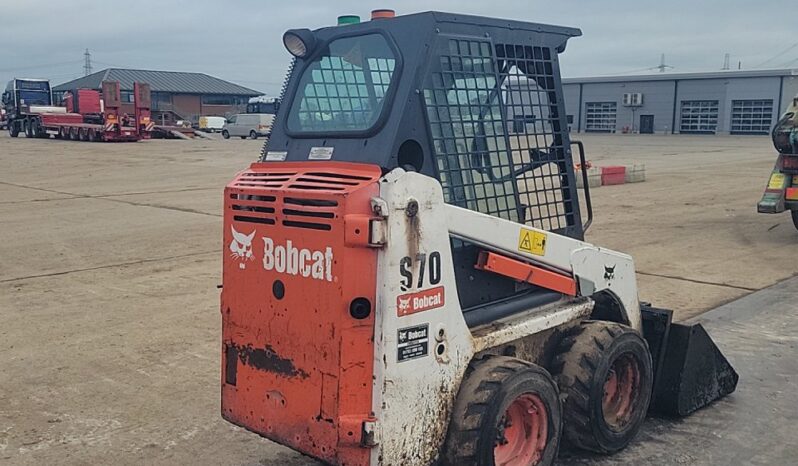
240, 40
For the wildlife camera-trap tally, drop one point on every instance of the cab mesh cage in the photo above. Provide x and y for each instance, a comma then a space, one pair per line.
495, 121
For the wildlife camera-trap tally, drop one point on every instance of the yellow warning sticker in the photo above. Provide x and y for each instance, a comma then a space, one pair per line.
776, 181
533, 242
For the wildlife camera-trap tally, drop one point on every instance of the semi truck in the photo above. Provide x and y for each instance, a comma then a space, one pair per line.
87, 114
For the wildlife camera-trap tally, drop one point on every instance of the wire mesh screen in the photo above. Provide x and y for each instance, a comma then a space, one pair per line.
496, 132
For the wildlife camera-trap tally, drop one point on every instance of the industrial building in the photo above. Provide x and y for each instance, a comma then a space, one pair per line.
723, 102
175, 95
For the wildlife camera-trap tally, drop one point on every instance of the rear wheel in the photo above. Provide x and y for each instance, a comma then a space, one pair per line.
794, 213
225, 134
83, 133
507, 413
92, 136
243, 137
27, 128
604, 370
253, 135
73, 134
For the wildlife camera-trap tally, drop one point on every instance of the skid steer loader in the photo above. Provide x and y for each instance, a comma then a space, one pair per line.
406, 280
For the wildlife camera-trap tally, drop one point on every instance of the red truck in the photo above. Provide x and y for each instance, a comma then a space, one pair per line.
88, 115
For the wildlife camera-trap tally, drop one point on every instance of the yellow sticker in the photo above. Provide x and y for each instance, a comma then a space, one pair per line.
776, 181
531, 241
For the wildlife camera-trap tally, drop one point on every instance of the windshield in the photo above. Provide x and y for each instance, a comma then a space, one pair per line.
34, 97
344, 89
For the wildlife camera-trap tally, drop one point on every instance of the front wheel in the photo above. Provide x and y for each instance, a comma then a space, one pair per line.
507, 412
253, 135
225, 134
604, 370
13, 129
794, 213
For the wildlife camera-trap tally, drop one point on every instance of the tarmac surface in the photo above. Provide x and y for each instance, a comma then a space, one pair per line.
754, 425
110, 255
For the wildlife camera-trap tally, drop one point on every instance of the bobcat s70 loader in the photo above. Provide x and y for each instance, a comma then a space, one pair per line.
405, 277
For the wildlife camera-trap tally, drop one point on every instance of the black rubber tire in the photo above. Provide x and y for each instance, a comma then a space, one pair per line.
35, 130
92, 136
13, 129
581, 367
27, 128
490, 385
225, 134
243, 137
794, 214
253, 135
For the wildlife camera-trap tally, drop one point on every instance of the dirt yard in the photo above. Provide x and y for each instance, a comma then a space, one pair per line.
110, 260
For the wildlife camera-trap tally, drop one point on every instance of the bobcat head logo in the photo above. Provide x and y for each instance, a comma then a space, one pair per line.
404, 304
609, 272
241, 246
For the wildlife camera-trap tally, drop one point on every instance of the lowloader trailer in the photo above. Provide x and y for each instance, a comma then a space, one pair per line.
405, 275
88, 115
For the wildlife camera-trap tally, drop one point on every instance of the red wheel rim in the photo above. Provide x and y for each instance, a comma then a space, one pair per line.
522, 432
621, 392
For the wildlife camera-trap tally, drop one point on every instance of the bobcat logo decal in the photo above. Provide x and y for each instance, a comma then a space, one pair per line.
241, 247
404, 304
609, 272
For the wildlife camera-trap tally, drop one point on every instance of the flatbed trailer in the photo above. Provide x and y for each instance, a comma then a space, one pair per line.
87, 118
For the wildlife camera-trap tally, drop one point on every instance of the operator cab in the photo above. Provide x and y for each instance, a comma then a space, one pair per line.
475, 102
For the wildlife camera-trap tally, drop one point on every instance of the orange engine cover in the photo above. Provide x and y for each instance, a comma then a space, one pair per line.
297, 306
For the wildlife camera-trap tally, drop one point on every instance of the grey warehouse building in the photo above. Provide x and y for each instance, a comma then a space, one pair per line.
723, 102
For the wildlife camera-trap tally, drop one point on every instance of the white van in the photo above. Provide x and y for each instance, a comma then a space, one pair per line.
250, 125
211, 124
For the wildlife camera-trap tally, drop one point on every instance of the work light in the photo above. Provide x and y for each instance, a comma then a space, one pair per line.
299, 42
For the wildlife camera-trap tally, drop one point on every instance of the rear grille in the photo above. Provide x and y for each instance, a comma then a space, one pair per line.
257, 195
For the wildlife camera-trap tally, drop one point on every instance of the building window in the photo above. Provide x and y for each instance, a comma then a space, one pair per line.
217, 100
699, 116
751, 116
158, 97
601, 116
127, 97
223, 100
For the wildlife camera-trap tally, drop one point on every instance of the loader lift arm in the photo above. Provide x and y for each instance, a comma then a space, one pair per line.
593, 269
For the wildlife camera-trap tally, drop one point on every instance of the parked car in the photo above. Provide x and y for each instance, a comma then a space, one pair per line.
211, 124
250, 125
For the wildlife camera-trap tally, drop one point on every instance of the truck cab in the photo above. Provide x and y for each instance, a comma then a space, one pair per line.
21, 94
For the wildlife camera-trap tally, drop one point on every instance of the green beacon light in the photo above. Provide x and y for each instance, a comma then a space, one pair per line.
348, 19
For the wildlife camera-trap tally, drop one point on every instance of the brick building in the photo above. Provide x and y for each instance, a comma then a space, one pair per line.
175, 95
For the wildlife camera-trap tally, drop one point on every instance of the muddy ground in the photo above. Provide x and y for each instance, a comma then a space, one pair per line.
110, 255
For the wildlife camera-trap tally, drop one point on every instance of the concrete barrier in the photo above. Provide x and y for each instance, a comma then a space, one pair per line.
635, 173
593, 178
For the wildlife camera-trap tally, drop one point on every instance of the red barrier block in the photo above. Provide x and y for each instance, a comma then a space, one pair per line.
613, 175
